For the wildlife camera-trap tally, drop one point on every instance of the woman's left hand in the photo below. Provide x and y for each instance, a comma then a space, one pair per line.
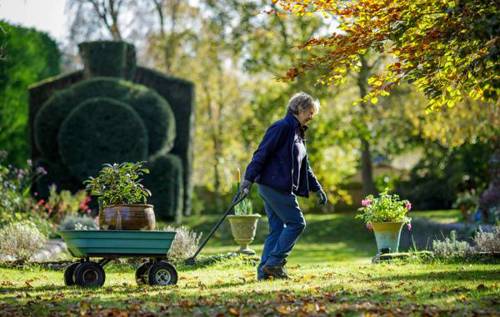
322, 197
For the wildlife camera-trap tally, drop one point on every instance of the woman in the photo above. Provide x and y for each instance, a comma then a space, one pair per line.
281, 169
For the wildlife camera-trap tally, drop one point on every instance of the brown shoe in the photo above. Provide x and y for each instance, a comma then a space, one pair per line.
275, 271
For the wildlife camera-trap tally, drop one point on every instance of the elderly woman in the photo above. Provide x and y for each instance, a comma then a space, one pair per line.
281, 169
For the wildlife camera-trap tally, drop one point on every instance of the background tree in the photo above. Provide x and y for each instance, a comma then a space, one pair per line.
448, 49
28, 56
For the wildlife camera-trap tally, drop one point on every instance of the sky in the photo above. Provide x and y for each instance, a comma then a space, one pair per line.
43, 15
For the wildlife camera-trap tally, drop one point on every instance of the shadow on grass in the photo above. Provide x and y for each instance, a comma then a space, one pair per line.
450, 276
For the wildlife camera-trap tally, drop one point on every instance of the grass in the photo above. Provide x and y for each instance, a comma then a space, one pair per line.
331, 274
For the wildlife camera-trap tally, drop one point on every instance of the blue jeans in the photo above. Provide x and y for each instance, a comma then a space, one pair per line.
286, 223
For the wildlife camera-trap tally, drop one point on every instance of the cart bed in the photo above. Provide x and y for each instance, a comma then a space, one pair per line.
122, 243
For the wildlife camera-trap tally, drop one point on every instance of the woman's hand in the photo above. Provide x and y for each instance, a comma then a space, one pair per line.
322, 197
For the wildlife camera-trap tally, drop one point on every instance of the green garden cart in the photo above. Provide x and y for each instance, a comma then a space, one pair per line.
113, 244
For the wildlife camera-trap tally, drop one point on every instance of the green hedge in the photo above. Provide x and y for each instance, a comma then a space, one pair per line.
98, 131
180, 95
157, 117
152, 108
165, 182
104, 58
26, 56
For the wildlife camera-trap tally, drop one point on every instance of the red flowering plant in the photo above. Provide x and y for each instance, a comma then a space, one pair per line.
384, 208
63, 203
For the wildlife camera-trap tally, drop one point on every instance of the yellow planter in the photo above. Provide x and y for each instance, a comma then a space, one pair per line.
243, 229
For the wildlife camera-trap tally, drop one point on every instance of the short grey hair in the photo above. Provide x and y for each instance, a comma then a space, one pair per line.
301, 102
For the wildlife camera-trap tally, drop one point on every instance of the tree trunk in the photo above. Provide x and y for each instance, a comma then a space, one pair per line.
366, 161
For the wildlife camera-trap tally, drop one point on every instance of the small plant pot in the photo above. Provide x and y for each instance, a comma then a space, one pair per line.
387, 235
127, 217
243, 229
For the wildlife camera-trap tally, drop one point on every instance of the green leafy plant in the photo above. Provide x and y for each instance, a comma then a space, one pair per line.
63, 203
385, 208
15, 186
119, 184
245, 207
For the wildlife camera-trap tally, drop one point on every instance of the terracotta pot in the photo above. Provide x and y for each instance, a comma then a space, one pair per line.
243, 229
127, 217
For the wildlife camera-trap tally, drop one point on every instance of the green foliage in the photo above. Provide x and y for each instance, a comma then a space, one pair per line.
165, 181
119, 184
101, 130
21, 240
72, 222
105, 58
441, 173
467, 200
15, 186
27, 56
385, 208
158, 118
61, 204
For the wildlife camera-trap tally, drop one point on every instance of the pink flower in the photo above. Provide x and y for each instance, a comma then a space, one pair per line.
409, 226
369, 226
408, 205
366, 202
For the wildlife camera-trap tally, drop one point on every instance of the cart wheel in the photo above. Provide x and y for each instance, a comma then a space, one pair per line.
162, 273
69, 274
141, 274
89, 274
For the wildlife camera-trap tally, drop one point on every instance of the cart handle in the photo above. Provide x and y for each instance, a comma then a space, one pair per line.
235, 201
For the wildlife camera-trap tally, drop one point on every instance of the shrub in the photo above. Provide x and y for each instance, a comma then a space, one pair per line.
63, 203
78, 223
185, 243
15, 186
119, 184
488, 241
21, 240
451, 247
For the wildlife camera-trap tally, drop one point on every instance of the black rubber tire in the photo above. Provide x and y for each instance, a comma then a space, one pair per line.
162, 273
69, 274
141, 274
89, 274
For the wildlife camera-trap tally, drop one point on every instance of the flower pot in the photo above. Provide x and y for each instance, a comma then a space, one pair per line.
243, 229
387, 235
127, 217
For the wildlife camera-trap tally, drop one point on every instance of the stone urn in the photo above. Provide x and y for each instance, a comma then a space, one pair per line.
243, 228
127, 217
387, 235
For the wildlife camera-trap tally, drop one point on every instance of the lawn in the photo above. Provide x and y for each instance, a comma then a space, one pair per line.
331, 274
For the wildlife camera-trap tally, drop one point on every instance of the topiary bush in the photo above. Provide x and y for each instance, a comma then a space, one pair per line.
104, 58
72, 115
98, 131
165, 182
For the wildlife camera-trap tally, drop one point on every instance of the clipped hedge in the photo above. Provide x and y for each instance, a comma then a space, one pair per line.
180, 95
57, 174
157, 117
98, 131
166, 184
155, 112
104, 58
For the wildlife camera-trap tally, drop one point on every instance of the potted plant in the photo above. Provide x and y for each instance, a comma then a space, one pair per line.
385, 215
243, 223
122, 198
